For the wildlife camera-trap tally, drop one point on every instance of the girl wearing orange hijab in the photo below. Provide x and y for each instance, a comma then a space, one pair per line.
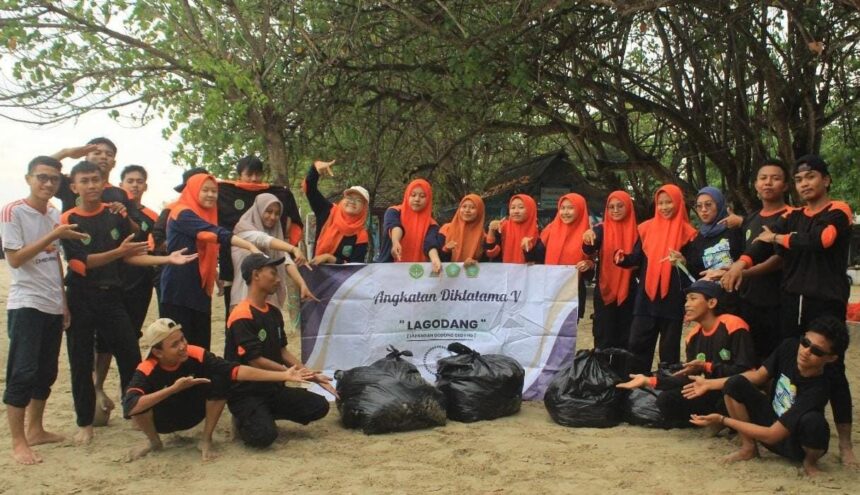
462, 239
341, 236
186, 290
659, 306
408, 229
562, 240
515, 239
616, 286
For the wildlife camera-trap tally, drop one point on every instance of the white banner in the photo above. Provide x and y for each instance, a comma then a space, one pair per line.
526, 312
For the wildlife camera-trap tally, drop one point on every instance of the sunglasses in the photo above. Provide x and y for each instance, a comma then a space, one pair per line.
46, 178
814, 349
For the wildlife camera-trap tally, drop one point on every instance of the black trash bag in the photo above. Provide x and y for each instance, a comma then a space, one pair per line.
641, 409
479, 387
389, 395
583, 393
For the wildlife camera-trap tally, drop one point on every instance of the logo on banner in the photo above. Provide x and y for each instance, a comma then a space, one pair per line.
472, 271
262, 334
452, 270
416, 271
239, 204
433, 355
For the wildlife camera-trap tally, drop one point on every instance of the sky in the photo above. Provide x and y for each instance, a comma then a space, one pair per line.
19, 143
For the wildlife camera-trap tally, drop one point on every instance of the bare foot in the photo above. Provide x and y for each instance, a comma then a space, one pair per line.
846, 455
24, 455
207, 450
41, 436
741, 455
138, 452
811, 469
84, 436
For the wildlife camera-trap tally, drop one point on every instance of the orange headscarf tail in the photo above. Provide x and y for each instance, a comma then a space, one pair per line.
617, 235
563, 241
513, 233
468, 236
415, 223
659, 235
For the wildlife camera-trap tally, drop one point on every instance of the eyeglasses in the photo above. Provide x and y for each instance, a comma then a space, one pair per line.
351, 200
704, 206
814, 349
46, 178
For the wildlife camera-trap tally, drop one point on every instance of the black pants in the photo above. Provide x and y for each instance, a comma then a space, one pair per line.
797, 317
137, 301
765, 330
675, 407
256, 414
196, 325
34, 350
612, 322
97, 311
643, 338
187, 409
812, 430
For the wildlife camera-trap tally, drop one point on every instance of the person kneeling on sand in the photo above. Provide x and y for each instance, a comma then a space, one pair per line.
790, 419
179, 385
717, 346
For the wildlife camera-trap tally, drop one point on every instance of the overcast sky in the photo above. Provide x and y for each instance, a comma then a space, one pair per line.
19, 143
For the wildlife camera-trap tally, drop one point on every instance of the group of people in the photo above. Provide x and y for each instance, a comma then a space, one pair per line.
767, 294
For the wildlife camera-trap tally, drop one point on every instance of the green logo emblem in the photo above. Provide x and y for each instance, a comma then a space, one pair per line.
725, 354
416, 271
239, 204
144, 226
748, 234
472, 271
701, 357
452, 270
262, 334
346, 251
114, 233
87, 240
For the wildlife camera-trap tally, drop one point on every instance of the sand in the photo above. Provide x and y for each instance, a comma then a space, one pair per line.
526, 453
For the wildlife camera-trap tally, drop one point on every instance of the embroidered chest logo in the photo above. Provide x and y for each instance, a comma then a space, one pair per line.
114, 234
725, 354
262, 334
239, 204
346, 251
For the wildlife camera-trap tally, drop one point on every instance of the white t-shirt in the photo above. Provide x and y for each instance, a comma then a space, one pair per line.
37, 283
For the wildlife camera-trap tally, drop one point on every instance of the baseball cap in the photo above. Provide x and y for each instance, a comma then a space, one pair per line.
250, 163
255, 261
360, 191
707, 288
156, 332
191, 172
808, 163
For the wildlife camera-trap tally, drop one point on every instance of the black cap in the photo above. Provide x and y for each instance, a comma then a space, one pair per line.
250, 163
708, 289
808, 163
255, 261
191, 172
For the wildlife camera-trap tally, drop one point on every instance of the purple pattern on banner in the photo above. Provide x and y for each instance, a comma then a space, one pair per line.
560, 355
323, 281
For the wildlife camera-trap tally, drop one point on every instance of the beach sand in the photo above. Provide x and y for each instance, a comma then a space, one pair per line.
526, 453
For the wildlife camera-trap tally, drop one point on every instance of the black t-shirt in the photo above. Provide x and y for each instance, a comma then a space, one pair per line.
150, 377
69, 199
134, 276
814, 251
793, 395
763, 290
717, 252
672, 306
254, 332
107, 231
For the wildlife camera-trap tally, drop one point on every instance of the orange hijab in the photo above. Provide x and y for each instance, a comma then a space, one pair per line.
513, 232
339, 225
469, 236
415, 223
563, 241
207, 249
614, 280
659, 235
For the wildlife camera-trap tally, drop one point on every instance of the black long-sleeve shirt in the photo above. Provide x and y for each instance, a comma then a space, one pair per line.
349, 250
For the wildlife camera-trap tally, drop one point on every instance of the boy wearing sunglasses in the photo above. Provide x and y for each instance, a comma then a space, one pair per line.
789, 420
